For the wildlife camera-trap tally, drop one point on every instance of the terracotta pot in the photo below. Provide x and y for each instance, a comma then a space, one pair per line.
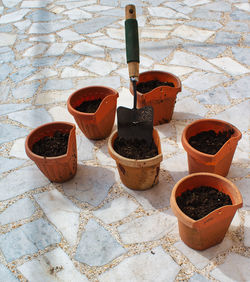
211, 229
162, 98
221, 161
60, 168
96, 125
137, 174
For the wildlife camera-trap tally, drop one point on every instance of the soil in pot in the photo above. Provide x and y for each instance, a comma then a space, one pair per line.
210, 142
52, 146
89, 106
135, 149
200, 201
144, 87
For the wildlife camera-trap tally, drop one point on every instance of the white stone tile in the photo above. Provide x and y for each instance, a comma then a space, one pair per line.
104, 157
44, 73
18, 149
110, 81
77, 14
179, 126
56, 49
109, 42
75, 4
243, 186
98, 66
237, 171
87, 49
184, 59
235, 268
61, 212
7, 39
177, 166
201, 258
21, 209
35, 50
179, 7
96, 8
146, 228
10, 3
31, 118
177, 70
85, 148
69, 35
51, 267
21, 181
43, 38
154, 33
204, 80
229, 65
115, 210
146, 62
52, 97
247, 230
163, 12
192, 33
116, 33
72, 72
235, 222
232, 115
188, 108
23, 24
145, 267
14, 16
34, 4
241, 155
166, 130
61, 113
243, 6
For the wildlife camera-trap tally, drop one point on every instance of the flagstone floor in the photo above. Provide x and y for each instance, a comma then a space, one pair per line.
92, 228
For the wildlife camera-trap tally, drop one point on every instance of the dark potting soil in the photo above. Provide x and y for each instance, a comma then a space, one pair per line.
210, 142
52, 146
202, 200
89, 106
135, 149
144, 87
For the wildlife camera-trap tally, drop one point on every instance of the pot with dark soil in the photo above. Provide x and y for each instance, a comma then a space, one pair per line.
93, 109
52, 147
205, 205
138, 163
210, 145
159, 90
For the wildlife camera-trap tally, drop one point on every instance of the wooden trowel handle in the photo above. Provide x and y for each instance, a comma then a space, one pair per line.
132, 41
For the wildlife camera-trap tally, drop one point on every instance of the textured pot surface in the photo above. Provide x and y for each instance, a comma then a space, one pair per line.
137, 174
60, 168
211, 229
162, 98
220, 162
96, 125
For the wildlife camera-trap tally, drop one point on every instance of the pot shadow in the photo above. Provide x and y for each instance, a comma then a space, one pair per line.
91, 184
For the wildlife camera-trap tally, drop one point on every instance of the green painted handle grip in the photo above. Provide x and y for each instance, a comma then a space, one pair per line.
132, 40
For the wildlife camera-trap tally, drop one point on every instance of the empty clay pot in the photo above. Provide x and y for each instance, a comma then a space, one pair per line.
137, 174
60, 168
96, 125
162, 98
201, 162
211, 229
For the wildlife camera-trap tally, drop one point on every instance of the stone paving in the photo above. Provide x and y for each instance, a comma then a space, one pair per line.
92, 228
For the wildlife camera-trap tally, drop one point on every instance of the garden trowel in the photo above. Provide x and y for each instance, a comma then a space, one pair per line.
134, 123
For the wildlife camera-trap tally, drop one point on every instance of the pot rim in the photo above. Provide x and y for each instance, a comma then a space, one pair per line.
73, 111
193, 151
32, 155
196, 223
133, 162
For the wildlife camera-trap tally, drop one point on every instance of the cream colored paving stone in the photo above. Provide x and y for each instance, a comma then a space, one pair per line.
235, 268
98, 66
154, 33
229, 65
196, 2
108, 42
18, 149
56, 49
7, 39
146, 62
35, 50
188, 60
176, 70
243, 186
53, 266
44, 73
243, 6
235, 224
14, 16
87, 49
116, 33
247, 230
61, 212
166, 130
52, 97
116, 210
103, 156
72, 72
146, 228
96, 8
201, 258
166, 13
241, 155
146, 267
77, 14
34, 4
43, 38
192, 33
61, 114
69, 35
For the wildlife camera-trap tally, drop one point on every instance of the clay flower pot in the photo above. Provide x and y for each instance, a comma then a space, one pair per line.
201, 162
60, 168
137, 174
96, 125
211, 229
162, 98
